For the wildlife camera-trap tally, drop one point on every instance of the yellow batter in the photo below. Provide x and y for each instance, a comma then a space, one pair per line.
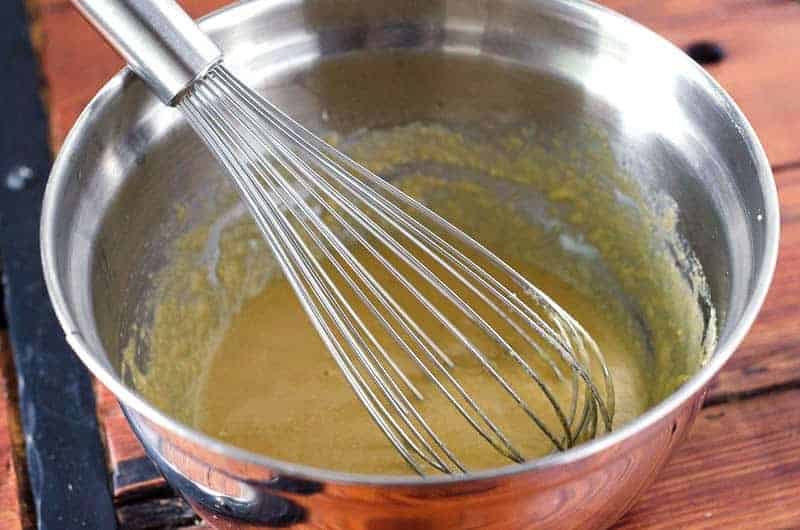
231, 352
272, 387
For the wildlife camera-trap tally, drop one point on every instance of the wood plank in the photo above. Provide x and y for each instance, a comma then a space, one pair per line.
14, 514
756, 64
739, 468
671, 13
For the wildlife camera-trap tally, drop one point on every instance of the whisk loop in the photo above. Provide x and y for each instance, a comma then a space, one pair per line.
318, 209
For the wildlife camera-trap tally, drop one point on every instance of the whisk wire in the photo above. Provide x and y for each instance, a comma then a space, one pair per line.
281, 169
402, 403
269, 222
309, 142
507, 449
425, 272
403, 254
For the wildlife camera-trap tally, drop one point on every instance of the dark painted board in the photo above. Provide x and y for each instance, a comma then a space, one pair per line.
157, 514
65, 458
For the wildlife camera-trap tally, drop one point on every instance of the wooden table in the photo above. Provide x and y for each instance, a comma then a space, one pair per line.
740, 466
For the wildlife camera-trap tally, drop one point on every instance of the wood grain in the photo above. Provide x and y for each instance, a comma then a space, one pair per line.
13, 511
757, 62
756, 71
739, 468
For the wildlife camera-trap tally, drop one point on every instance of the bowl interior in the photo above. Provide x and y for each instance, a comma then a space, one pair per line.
363, 66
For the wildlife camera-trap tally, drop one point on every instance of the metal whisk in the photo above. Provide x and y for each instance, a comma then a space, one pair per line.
335, 227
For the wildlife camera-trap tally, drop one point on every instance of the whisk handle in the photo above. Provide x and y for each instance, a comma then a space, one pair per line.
158, 40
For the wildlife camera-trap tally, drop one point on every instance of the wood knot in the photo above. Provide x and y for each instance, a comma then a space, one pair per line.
706, 52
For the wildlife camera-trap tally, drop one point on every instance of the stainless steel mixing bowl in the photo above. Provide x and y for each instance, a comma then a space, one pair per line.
108, 219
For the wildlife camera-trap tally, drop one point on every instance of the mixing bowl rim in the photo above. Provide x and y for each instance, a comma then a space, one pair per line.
61, 174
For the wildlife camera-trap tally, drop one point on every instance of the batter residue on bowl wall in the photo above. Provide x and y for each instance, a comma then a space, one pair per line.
231, 352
